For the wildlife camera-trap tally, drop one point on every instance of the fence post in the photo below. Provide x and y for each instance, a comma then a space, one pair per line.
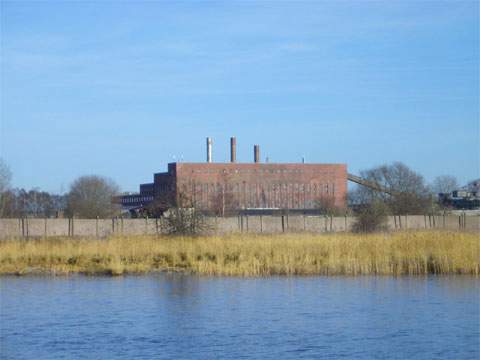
45, 229
283, 223
261, 224
73, 229
96, 227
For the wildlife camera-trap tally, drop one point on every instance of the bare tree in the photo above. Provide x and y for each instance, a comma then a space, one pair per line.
5, 178
408, 192
185, 221
33, 203
184, 216
326, 205
160, 204
371, 217
444, 184
179, 211
92, 196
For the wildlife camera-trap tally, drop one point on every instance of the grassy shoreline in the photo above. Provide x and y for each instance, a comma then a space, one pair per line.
400, 253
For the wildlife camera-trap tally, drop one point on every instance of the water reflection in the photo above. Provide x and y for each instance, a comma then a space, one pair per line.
191, 317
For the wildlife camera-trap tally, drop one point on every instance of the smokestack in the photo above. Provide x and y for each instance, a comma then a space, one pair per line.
233, 149
256, 153
209, 150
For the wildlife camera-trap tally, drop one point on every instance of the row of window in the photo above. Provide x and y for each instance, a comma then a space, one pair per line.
239, 187
327, 188
163, 187
136, 199
260, 171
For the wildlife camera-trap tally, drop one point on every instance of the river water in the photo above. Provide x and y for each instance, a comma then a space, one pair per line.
188, 317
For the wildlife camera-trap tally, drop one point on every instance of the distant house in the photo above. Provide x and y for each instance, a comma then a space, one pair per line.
465, 198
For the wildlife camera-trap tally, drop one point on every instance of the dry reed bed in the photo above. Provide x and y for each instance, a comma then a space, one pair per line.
405, 253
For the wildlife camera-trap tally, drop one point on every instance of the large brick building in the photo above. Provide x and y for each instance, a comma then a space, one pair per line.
234, 186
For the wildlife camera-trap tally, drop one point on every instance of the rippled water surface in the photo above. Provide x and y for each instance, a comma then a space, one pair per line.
188, 317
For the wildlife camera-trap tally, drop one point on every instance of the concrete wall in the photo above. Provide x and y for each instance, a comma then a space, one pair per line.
24, 228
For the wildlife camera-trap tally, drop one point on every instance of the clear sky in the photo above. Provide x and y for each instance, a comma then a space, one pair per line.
118, 88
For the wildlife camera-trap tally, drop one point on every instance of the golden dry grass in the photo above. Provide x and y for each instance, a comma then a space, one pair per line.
405, 253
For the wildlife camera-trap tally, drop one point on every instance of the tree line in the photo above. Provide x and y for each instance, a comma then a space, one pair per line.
88, 197
91, 197
408, 194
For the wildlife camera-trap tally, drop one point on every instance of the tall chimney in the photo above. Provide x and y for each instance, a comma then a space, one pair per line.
256, 153
233, 149
209, 150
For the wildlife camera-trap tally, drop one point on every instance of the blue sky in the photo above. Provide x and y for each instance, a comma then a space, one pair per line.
119, 88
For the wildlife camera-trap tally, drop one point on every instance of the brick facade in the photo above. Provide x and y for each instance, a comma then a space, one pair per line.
257, 185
